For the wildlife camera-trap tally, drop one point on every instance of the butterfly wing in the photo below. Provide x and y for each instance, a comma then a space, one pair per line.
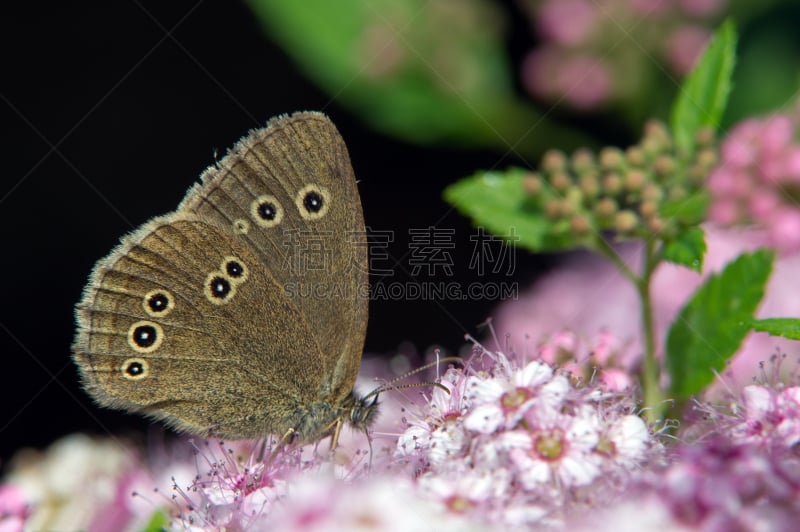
244, 312
290, 192
185, 323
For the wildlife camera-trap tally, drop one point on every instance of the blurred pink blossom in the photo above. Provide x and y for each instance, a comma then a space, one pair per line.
587, 294
650, 7
14, 508
702, 8
757, 180
566, 22
712, 486
602, 357
684, 46
587, 49
581, 80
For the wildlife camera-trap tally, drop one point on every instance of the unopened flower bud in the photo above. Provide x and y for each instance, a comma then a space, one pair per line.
707, 158
656, 130
554, 161
705, 137
589, 184
652, 192
552, 209
582, 160
574, 197
560, 181
652, 148
634, 180
664, 166
656, 138
612, 184
656, 225
676, 193
580, 224
611, 159
532, 183
648, 209
625, 221
697, 174
635, 156
606, 208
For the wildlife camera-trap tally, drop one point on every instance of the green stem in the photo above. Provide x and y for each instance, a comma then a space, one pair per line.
653, 395
651, 387
611, 254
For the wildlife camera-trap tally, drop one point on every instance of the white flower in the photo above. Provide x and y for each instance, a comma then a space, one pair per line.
503, 401
382, 503
445, 442
437, 433
414, 438
552, 394
485, 419
629, 438
459, 493
560, 448
630, 515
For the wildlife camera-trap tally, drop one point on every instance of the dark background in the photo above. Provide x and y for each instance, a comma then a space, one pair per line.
109, 112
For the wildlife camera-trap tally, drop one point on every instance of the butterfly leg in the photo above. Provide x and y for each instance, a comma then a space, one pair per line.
284, 440
335, 438
262, 449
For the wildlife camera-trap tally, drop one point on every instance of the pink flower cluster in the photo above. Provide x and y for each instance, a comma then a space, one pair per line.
743, 473
758, 179
232, 488
299, 489
510, 444
518, 443
603, 358
716, 486
14, 509
724, 486
587, 46
765, 414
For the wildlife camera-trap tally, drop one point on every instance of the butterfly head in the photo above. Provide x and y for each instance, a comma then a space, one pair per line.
363, 411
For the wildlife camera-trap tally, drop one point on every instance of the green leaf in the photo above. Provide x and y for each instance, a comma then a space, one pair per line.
688, 249
392, 64
712, 325
785, 327
704, 94
688, 211
498, 202
159, 522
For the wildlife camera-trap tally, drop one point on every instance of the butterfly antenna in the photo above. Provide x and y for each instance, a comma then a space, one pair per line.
392, 384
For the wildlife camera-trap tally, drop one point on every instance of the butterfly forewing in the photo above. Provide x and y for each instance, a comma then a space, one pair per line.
267, 189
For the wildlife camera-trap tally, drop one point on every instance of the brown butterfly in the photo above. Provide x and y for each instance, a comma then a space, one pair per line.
243, 312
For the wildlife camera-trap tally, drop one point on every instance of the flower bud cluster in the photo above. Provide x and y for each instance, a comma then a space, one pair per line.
623, 191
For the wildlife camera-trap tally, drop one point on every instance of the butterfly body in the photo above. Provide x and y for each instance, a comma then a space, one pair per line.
242, 313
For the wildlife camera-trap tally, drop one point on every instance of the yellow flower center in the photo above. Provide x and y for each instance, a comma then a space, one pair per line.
515, 398
606, 447
459, 504
549, 445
